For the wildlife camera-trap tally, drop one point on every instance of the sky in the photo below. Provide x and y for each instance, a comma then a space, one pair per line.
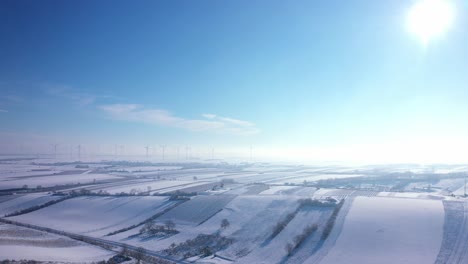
294, 80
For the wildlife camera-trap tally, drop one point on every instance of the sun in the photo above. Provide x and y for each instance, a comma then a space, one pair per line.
428, 19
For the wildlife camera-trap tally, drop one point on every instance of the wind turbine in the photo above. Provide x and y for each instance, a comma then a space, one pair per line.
79, 152
146, 148
163, 150
122, 150
55, 150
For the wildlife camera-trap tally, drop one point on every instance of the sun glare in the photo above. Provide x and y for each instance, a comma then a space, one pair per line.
428, 19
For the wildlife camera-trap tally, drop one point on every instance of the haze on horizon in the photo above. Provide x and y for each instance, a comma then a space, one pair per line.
367, 81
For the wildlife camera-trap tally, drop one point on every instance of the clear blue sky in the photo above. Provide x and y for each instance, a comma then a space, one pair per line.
273, 74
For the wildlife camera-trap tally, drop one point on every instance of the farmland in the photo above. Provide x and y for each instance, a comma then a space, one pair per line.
234, 213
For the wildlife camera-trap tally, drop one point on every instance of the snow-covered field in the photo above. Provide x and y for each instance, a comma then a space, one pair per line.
197, 210
389, 230
298, 179
375, 225
282, 189
274, 251
49, 181
19, 243
12, 203
152, 186
96, 216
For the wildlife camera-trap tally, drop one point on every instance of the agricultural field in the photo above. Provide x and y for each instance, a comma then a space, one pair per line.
17, 243
389, 230
96, 216
210, 213
14, 203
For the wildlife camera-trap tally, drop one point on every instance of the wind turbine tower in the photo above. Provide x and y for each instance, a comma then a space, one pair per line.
79, 152
55, 150
163, 151
147, 149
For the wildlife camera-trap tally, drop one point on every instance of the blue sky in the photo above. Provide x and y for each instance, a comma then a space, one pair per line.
284, 76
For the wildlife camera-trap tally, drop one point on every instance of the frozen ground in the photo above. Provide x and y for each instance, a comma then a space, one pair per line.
96, 216
274, 251
12, 203
378, 227
48, 181
197, 210
256, 229
152, 186
18, 243
455, 242
389, 230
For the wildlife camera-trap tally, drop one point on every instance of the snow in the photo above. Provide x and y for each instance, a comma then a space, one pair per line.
450, 185
299, 179
52, 180
156, 186
145, 169
277, 190
389, 230
250, 217
20, 202
274, 251
197, 210
455, 241
96, 216
22, 243
254, 223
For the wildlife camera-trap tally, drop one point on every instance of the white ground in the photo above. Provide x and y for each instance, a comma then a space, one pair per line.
251, 220
22, 243
299, 179
96, 216
20, 202
197, 210
156, 186
47, 181
277, 190
389, 231
274, 251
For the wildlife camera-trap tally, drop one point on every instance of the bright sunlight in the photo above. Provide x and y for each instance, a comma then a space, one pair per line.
428, 19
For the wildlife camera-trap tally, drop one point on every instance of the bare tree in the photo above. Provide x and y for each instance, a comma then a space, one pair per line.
140, 254
170, 225
289, 248
124, 250
224, 223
